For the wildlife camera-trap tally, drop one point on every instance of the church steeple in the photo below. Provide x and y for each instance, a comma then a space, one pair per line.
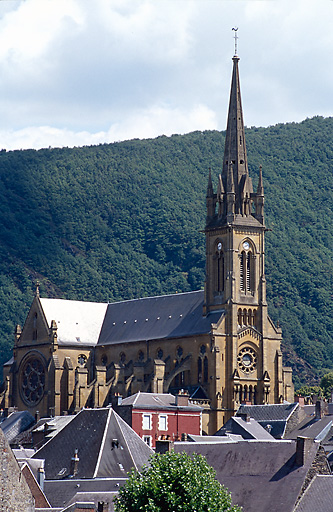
235, 148
235, 219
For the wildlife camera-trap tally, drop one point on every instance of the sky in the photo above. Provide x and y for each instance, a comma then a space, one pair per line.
83, 72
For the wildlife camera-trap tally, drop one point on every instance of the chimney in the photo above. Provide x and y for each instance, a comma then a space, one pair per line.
320, 409
182, 398
299, 400
41, 477
37, 416
303, 447
74, 463
244, 416
164, 446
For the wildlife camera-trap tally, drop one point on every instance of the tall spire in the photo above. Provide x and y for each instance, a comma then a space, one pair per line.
235, 147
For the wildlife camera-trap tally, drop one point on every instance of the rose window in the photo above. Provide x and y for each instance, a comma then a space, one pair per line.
247, 360
32, 381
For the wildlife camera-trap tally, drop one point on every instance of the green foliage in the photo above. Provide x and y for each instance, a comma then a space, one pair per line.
174, 482
120, 221
306, 391
326, 383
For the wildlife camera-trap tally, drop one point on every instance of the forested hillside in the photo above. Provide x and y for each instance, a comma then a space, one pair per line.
123, 220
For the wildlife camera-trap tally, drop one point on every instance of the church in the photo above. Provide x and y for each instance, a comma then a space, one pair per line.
218, 345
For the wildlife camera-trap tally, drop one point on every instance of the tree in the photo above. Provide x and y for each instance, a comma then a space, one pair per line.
309, 391
174, 482
326, 384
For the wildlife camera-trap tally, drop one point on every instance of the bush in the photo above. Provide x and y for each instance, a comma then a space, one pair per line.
174, 482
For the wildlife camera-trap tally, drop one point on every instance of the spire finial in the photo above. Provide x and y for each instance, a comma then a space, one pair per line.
236, 38
37, 289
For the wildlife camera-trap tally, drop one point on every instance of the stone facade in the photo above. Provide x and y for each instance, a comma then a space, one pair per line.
223, 347
15, 494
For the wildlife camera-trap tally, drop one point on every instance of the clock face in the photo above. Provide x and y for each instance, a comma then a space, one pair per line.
246, 246
219, 246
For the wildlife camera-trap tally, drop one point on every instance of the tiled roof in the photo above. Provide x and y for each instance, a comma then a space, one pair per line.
167, 316
318, 497
77, 321
105, 444
261, 475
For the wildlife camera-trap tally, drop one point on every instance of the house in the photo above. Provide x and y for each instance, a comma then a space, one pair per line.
263, 475
91, 454
318, 496
277, 419
246, 427
161, 416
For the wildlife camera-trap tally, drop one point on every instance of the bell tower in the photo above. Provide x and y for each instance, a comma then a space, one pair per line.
235, 275
235, 221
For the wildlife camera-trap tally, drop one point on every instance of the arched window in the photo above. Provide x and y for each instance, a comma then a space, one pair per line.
219, 268
240, 394
199, 369
242, 272
205, 370
246, 269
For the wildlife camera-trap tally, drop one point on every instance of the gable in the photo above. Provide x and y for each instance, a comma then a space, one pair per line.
36, 327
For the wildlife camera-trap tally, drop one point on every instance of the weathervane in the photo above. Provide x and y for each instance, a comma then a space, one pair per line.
236, 37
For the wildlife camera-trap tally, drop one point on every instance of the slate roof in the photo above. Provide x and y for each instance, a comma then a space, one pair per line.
165, 401
106, 445
318, 496
63, 492
247, 429
77, 321
95, 497
261, 475
229, 438
272, 417
312, 428
152, 318
268, 412
16, 423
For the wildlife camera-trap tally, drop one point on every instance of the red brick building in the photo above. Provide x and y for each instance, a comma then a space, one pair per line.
155, 416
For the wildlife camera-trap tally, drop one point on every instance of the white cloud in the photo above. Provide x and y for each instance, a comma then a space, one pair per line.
74, 71
156, 121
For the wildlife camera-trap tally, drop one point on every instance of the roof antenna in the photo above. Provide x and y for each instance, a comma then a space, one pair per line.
236, 37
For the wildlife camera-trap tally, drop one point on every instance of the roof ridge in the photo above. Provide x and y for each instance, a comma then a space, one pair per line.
101, 446
136, 398
156, 297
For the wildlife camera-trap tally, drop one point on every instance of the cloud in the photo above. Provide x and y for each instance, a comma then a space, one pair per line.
76, 70
157, 120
